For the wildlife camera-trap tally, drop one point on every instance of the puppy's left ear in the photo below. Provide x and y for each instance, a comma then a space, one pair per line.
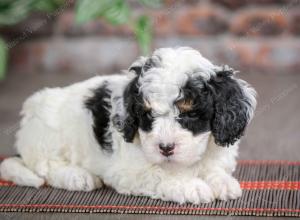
234, 105
130, 121
137, 66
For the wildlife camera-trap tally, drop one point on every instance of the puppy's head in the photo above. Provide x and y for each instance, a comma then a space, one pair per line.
178, 100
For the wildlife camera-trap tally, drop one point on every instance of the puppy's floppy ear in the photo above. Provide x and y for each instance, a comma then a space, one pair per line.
137, 66
234, 105
143, 64
130, 124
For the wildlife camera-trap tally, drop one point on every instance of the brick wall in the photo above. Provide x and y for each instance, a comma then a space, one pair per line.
251, 35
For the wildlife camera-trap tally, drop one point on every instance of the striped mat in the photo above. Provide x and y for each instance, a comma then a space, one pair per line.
270, 188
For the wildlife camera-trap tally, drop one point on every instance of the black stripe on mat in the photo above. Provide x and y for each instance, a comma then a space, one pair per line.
267, 172
258, 202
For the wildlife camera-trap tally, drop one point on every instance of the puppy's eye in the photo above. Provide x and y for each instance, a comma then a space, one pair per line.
148, 114
192, 114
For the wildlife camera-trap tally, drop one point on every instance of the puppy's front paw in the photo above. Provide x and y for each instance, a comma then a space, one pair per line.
194, 191
224, 186
77, 179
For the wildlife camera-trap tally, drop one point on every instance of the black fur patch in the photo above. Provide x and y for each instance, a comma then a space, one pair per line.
100, 107
150, 63
219, 105
197, 119
231, 107
137, 115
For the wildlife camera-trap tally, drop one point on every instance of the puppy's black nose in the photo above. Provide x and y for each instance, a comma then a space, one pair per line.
166, 149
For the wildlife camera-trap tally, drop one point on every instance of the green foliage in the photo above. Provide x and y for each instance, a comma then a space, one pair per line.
151, 3
116, 12
46, 5
87, 10
13, 12
143, 33
3, 59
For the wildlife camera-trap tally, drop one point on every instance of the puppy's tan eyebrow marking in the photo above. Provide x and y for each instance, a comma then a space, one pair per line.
147, 105
184, 105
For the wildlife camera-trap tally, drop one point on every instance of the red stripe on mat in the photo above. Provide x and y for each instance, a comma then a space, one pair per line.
6, 183
160, 208
248, 185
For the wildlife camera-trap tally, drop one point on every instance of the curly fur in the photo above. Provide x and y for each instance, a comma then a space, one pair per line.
158, 130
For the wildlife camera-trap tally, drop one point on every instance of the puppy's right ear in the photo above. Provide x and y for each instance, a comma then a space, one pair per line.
137, 66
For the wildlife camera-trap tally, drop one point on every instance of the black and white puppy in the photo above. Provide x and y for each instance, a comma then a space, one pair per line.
168, 128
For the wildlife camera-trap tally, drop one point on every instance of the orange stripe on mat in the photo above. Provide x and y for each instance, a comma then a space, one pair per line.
159, 208
281, 185
248, 185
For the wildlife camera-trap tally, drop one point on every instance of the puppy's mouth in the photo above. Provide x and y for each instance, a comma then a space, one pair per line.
168, 157
167, 154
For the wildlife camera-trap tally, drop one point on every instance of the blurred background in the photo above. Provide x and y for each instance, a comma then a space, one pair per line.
50, 43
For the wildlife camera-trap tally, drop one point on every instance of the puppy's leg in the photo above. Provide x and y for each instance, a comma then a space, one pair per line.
72, 178
217, 168
14, 169
193, 190
223, 185
163, 186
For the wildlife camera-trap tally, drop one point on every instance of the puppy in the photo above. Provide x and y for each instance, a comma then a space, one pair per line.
168, 128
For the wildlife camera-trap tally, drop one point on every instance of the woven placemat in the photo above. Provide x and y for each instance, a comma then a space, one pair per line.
270, 188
